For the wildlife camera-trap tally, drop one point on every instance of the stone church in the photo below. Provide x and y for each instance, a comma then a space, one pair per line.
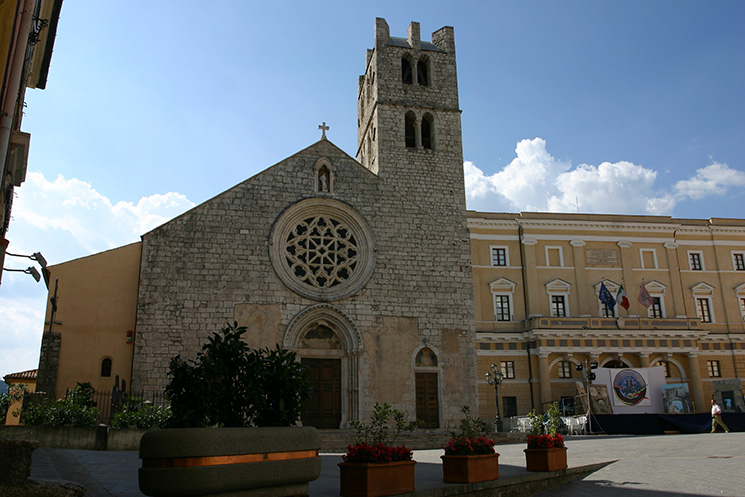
359, 265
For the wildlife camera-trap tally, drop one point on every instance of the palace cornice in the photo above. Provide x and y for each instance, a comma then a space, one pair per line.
500, 337
726, 337
492, 223
616, 334
596, 225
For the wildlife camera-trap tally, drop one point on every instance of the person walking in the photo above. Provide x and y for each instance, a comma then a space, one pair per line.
716, 417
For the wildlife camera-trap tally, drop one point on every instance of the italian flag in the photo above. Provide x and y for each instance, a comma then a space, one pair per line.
621, 298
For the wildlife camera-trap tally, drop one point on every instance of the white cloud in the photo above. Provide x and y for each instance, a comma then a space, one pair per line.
63, 219
713, 179
524, 184
536, 181
71, 211
610, 188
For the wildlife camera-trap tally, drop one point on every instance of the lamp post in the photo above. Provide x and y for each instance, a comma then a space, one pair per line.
36, 256
495, 379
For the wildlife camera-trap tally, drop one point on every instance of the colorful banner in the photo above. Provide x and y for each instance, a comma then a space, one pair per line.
630, 387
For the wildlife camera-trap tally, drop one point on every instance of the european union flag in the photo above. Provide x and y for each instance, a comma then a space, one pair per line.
605, 296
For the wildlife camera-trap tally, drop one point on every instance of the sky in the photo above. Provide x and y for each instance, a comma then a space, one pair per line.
151, 108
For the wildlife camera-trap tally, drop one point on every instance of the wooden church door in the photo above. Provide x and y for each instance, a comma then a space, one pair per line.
427, 405
323, 409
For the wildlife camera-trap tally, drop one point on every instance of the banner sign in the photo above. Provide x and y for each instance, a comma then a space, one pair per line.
630, 387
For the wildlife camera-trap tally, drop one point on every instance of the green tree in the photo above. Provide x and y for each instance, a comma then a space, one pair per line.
229, 384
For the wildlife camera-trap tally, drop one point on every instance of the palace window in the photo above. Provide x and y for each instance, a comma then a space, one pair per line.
738, 261
607, 311
502, 289
713, 368
565, 369
106, 368
648, 258
406, 73
554, 257
508, 369
742, 307
657, 292
502, 311
655, 310
604, 310
499, 256
509, 406
703, 309
703, 295
558, 306
558, 293
696, 261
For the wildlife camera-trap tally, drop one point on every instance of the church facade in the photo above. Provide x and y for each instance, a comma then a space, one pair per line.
373, 272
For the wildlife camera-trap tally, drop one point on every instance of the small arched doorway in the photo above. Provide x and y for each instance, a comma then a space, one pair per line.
427, 389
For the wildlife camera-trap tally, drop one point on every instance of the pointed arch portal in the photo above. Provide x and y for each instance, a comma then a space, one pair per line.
327, 342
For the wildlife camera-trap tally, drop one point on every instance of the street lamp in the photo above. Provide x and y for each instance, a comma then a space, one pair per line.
36, 256
495, 379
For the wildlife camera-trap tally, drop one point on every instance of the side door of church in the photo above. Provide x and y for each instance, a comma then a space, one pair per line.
323, 409
427, 405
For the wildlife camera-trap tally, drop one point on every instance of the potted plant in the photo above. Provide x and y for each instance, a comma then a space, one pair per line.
470, 456
546, 451
373, 466
231, 425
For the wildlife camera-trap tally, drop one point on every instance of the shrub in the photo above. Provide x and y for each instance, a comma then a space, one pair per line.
374, 441
76, 408
229, 384
14, 394
142, 417
469, 440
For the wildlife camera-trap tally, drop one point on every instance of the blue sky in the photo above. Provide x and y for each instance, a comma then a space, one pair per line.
631, 107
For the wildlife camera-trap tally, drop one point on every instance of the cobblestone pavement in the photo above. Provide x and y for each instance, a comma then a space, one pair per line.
646, 466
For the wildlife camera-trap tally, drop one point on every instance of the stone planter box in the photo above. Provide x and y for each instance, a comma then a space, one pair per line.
470, 469
190, 462
546, 459
376, 480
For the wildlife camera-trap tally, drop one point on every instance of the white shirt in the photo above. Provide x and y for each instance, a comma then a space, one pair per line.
715, 409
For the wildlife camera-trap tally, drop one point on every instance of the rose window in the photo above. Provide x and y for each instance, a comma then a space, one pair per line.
322, 249
321, 252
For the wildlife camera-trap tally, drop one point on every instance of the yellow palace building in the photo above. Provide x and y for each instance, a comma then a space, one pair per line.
537, 278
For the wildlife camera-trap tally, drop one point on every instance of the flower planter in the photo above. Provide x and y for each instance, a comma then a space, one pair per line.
552, 459
191, 462
374, 480
470, 469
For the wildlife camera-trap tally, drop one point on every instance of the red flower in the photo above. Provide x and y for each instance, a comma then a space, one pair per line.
545, 441
378, 454
465, 446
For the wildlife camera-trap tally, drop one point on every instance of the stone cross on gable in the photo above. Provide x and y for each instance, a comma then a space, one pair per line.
323, 129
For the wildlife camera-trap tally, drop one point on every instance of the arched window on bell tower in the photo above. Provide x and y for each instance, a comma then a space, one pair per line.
410, 129
407, 75
428, 128
422, 71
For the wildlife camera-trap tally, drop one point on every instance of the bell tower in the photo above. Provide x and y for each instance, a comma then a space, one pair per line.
409, 135
409, 130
